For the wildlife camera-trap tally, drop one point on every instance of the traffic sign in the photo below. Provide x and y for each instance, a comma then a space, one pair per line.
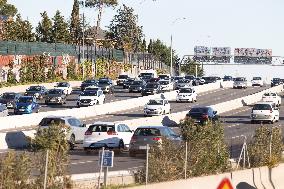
225, 184
107, 158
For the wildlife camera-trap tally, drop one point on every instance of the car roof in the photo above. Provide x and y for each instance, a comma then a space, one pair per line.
103, 123
157, 99
62, 117
152, 126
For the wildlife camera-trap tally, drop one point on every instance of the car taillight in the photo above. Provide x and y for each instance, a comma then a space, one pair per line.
271, 110
88, 133
133, 139
156, 138
205, 116
112, 133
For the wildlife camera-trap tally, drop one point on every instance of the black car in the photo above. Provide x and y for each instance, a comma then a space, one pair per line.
209, 80
106, 85
88, 83
37, 91
55, 96
137, 86
203, 114
227, 78
146, 78
275, 82
128, 82
195, 82
9, 99
151, 88
121, 79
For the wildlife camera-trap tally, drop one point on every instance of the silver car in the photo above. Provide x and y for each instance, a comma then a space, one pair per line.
150, 135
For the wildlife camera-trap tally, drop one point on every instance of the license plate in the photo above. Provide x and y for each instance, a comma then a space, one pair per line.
142, 147
21, 110
52, 100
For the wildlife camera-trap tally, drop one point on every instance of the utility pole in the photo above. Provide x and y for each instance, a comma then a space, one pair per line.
83, 43
171, 69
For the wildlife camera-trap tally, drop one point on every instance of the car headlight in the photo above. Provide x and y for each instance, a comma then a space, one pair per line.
58, 98
36, 94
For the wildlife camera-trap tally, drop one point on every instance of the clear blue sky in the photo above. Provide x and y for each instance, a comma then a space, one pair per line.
242, 23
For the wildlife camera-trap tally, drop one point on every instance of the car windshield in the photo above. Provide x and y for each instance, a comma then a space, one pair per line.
89, 93
130, 80
122, 77
185, 91
146, 74
178, 78
276, 79
256, 78
34, 88
137, 82
184, 81
151, 85
8, 95
54, 91
198, 110
147, 132
269, 94
51, 121
146, 77
261, 107
164, 82
101, 128
103, 81
25, 100
227, 77
164, 77
90, 81
240, 79
155, 102
189, 77
62, 85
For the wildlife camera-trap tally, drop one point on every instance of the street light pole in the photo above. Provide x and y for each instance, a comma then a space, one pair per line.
171, 69
83, 43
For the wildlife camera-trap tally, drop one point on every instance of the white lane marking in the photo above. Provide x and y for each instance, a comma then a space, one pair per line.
82, 162
234, 125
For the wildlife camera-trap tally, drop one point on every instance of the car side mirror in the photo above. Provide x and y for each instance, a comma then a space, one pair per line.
215, 112
83, 125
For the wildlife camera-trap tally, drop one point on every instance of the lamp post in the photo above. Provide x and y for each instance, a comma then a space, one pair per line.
171, 68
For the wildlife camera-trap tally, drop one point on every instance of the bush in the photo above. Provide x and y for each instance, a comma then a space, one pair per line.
259, 147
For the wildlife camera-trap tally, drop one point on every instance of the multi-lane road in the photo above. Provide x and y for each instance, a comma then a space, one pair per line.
236, 123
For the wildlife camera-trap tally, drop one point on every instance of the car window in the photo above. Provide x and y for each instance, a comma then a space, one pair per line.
147, 132
261, 107
1, 108
120, 128
101, 128
74, 122
51, 121
126, 128
198, 110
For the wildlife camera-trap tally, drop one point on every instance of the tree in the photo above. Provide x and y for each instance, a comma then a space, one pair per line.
189, 68
150, 46
75, 24
143, 46
99, 4
44, 29
60, 33
125, 31
7, 9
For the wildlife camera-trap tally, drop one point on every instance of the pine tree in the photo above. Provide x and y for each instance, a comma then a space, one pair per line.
75, 24
60, 33
150, 46
144, 46
23, 29
44, 29
7, 9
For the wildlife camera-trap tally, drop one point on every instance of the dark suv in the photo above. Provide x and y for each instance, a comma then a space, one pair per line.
37, 91
9, 99
151, 88
275, 82
55, 96
203, 114
88, 83
106, 85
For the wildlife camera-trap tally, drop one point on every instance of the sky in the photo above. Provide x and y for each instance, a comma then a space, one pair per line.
218, 23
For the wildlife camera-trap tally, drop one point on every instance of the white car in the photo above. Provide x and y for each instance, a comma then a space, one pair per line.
108, 135
166, 85
76, 132
186, 95
90, 98
65, 86
157, 107
265, 111
240, 82
272, 97
164, 76
257, 81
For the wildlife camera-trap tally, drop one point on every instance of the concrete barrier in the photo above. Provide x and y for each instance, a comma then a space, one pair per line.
256, 178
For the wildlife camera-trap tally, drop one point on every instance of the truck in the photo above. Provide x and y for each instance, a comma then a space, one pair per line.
148, 73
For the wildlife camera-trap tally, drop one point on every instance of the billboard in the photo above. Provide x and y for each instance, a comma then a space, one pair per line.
202, 54
252, 56
221, 54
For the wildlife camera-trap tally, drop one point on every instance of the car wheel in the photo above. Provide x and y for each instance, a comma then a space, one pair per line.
72, 142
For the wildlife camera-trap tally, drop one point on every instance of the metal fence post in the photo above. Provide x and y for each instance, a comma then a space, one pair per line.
185, 161
45, 171
147, 163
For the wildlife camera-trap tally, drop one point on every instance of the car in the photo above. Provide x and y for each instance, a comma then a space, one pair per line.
177, 78
157, 107
272, 97
37, 91
106, 85
202, 114
209, 80
192, 78
227, 78
257, 81
164, 76
76, 131
146, 78
3, 110
107, 134
200, 80
128, 82
26, 105
183, 83
240, 82
65, 86
151, 88
154, 80
264, 112
136, 86
166, 85
87, 83
121, 78
90, 98
186, 95
92, 88
275, 82
150, 135
9, 99
55, 96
